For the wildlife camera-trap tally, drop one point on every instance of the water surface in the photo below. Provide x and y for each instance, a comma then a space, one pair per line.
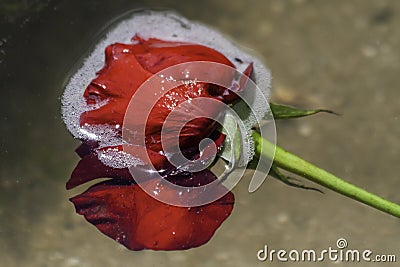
341, 55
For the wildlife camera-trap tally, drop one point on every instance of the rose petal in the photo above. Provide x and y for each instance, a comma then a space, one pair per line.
129, 65
117, 81
86, 147
90, 168
155, 55
110, 206
130, 216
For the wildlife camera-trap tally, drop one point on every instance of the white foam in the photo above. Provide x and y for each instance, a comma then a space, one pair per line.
166, 26
118, 159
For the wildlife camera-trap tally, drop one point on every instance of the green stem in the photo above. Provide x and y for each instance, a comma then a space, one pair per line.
295, 164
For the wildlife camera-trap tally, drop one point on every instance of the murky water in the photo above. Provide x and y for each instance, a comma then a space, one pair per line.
341, 55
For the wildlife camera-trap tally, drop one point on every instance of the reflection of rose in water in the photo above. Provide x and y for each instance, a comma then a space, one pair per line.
119, 207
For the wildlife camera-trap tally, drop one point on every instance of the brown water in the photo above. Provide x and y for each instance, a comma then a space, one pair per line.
342, 55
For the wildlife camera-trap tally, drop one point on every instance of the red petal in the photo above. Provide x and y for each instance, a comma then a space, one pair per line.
129, 65
155, 54
86, 147
111, 208
90, 168
117, 81
127, 214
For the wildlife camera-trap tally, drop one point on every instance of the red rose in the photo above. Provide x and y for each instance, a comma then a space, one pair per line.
119, 207
127, 66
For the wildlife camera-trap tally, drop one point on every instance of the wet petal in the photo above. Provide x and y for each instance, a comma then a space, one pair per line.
155, 54
110, 206
86, 147
90, 168
116, 82
129, 65
130, 216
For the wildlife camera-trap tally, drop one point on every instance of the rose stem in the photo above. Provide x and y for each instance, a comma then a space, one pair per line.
296, 165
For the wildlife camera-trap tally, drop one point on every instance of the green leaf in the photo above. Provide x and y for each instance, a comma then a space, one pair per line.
286, 112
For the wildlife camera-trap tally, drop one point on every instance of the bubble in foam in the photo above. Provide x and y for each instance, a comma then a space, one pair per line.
166, 26
118, 159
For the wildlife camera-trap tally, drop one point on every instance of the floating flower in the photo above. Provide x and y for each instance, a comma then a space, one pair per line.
122, 208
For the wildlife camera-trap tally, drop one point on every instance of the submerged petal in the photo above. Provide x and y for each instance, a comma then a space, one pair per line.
90, 168
127, 214
86, 148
